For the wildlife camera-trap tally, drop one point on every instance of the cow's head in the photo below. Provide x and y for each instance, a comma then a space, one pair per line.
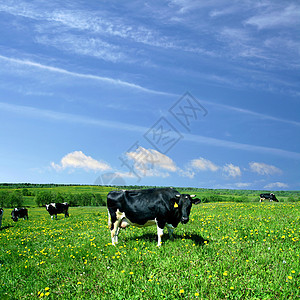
185, 202
14, 216
50, 206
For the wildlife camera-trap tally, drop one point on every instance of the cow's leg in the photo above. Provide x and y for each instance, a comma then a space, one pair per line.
114, 232
261, 200
114, 221
52, 216
170, 230
160, 231
66, 214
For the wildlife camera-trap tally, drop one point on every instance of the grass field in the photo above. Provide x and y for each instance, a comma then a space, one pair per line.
227, 250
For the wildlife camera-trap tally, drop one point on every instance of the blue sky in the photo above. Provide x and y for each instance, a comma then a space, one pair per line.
173, 93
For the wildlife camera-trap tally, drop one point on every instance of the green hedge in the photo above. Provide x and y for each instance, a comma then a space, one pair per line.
79, 199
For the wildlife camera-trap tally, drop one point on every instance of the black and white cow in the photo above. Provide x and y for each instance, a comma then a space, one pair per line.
57, 208
160, 206
269, 196
19, 213
1, 215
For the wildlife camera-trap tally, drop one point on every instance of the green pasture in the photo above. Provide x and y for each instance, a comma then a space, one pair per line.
227, 250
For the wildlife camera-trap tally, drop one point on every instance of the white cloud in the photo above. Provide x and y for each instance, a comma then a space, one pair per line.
221, 12
196, 165
94, 47
125, 174
250, 112
31, 112
276, 185
93, 22
288, 16
149, 162
235, 34
242, 185
187, 173
264, 169
78, 159
108, 80
231, 170
203, 165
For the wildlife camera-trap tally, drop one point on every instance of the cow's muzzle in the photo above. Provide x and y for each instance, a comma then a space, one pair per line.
184, 220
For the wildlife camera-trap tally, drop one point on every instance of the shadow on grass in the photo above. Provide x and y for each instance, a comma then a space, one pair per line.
197, 239
5, 227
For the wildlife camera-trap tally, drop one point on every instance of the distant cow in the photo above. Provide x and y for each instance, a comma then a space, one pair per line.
270, 196
57, 208
19, 213
161, 207
1, 215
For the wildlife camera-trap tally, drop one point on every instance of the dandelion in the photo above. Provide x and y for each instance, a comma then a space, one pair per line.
131, 273
290, 277
181, 291
293, 271
79, 282
225, 273
47, 289
232, 288
196, 294
47, 294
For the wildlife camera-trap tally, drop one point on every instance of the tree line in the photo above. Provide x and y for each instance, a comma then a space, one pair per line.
78, 199
16, 198
11, 199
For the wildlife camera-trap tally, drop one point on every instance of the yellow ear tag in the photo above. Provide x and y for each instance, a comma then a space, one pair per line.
175, 205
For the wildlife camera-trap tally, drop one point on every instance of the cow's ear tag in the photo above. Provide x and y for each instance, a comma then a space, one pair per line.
175, 205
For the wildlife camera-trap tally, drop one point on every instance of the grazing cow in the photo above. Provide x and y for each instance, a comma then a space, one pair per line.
57, 208
1, 215
19, 213
271, 197
160, 206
